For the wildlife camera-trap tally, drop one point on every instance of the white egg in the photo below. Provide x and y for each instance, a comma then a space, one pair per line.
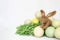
27, 21
38, 14
38, 31
57, 32
56, 23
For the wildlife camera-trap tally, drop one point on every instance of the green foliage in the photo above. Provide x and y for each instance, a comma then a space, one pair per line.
26, 29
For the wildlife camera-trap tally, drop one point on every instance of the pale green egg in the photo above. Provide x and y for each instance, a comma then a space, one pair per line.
57, 32
52, 19
56, 23
50, 32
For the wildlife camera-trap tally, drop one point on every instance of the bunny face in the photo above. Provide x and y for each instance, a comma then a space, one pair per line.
44, 19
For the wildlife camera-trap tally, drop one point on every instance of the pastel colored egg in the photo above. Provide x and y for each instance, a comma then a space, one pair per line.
57, 32
38, 31
27, 21
50, 32
56, 23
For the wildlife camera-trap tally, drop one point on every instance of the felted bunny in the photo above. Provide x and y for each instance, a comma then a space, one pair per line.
45, 19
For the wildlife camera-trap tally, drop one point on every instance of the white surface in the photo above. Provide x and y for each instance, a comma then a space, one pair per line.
14, 12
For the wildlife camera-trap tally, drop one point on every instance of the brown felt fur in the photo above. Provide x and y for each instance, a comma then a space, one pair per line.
45, 19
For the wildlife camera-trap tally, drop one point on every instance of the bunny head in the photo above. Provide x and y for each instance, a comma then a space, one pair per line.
45, 18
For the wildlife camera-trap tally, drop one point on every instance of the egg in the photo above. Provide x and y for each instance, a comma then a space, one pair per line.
50, 31
56, 23
27, 21
38, 14
35, 21
57, 33
51, 18
38, 31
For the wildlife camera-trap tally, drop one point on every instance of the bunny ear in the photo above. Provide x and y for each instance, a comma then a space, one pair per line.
51, 14
42, 12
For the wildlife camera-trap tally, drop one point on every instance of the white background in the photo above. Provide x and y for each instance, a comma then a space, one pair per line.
14, 12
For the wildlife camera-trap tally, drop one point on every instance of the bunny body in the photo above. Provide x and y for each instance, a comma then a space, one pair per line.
45, 19
46, 23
